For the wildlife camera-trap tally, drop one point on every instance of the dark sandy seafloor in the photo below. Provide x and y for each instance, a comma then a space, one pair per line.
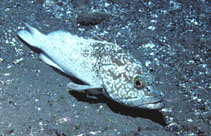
171, 37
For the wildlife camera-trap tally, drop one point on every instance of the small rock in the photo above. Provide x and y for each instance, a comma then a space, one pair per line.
92, 18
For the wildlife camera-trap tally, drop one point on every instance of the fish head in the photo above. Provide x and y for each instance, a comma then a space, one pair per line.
132, 85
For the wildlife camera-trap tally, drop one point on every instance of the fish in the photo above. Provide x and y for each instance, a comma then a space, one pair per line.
104, 67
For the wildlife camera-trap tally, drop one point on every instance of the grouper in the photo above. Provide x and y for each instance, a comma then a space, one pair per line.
104, 67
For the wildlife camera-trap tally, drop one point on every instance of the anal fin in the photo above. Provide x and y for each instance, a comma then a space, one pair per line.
48, 61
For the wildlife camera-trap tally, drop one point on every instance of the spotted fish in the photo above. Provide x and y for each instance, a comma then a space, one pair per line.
104, 67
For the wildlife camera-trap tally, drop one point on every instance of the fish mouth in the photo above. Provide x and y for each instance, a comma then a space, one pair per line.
153, 101
153, 105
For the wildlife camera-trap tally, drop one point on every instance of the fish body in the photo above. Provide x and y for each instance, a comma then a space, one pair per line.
101, 65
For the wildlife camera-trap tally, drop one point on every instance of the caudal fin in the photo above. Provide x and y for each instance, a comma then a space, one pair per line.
33, 37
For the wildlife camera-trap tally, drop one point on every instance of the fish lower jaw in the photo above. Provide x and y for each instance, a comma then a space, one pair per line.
152, 106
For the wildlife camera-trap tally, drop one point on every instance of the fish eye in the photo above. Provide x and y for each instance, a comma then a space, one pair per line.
138, 84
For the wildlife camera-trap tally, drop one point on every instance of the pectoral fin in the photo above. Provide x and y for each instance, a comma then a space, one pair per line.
93, 89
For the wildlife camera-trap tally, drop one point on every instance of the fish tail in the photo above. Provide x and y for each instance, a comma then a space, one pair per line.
33, 36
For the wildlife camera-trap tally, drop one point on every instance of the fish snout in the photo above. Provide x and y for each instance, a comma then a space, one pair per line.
153, 98
152, 91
